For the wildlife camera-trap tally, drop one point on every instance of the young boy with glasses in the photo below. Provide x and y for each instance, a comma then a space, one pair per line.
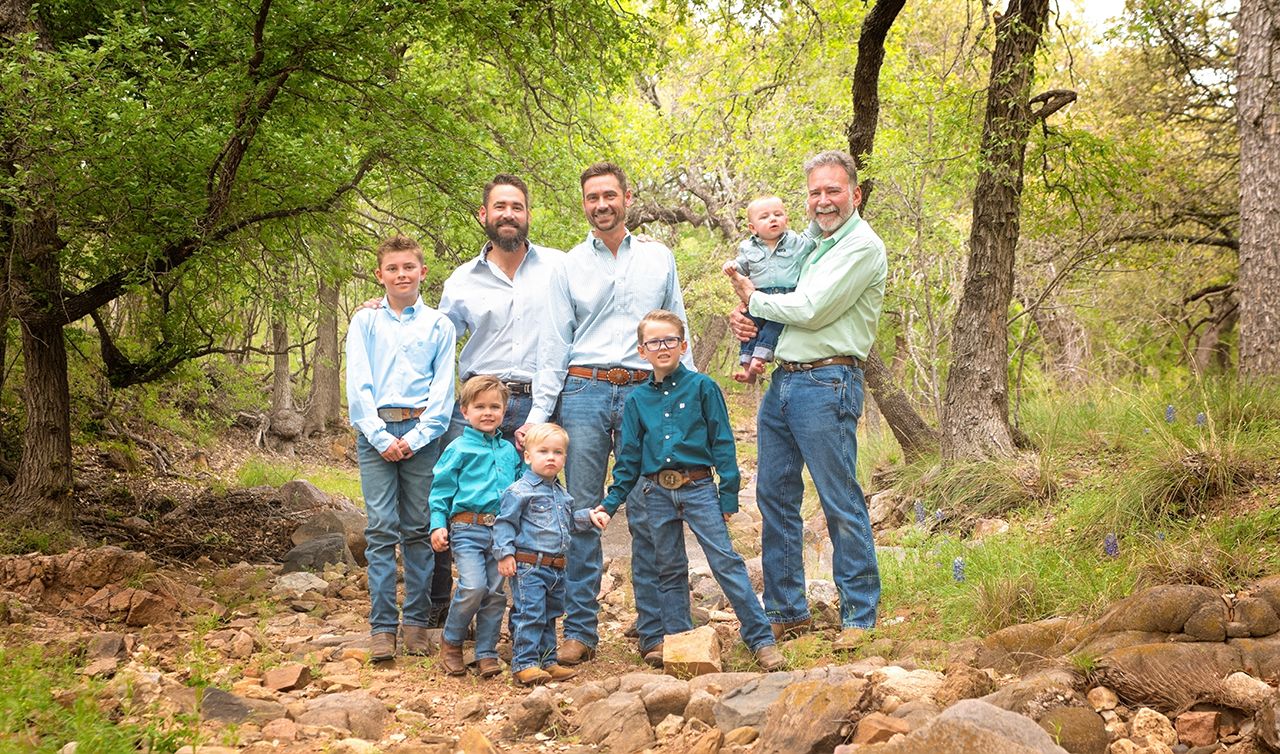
675, 429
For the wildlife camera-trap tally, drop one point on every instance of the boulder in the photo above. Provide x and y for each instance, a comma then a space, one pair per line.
1077, 729
1258, 615
355, 711
747, 704
1165, 608
907, 685
663, 699
810, 716
691, 653
1208, 622
1012, 648
619, 722
136, 607
317, 553
350, 524
970, 727
1169, 674
300, 496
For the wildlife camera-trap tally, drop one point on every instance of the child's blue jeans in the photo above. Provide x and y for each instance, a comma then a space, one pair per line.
479, 592
767, 332
539, 601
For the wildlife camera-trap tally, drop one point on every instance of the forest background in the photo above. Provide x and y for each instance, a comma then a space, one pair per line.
191, 194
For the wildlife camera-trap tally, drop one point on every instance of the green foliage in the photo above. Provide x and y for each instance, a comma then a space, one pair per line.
259, 470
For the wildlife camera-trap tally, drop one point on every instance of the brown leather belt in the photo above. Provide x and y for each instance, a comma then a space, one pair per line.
804, 366
540, 558
674, 479
467, 517
398, 414
612, 375
514, 388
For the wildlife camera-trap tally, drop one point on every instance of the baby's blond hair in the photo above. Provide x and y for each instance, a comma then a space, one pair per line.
540, 433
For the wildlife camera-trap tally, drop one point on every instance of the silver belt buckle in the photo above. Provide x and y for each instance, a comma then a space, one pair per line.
670, 479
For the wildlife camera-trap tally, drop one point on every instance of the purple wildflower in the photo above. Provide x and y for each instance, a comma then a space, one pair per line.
1111, 545
1168, 414
957, 570
1201, 419
920, 512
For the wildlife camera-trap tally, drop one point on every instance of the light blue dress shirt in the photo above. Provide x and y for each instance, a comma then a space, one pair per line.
595, 302
501, 315
404, 361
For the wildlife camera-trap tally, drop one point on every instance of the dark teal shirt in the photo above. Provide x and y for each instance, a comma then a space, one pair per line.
679, 423
471, 475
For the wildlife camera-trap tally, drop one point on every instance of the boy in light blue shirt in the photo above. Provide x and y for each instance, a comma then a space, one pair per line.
400, 396
772, 257
469, 480
531, 543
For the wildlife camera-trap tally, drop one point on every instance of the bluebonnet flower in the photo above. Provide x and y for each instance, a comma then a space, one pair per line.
1111, 545
957, 570
920, 512
1160, 536
937, 515
1168, 413
1201, 419
1146, 430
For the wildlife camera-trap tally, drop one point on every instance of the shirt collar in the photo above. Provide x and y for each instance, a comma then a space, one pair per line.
598, 245
534, 479
672, 379
409, 312
483, 257
478, 436
825, 244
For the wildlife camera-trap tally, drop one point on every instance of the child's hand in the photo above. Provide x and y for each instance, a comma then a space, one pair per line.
599, 517
727, 516
507, 566
440, 539
729, 267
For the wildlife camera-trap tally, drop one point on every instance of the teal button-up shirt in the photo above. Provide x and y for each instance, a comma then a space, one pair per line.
679, 423
836, 304
471, 475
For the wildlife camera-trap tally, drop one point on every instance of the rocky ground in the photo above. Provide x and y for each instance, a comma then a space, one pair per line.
273, 658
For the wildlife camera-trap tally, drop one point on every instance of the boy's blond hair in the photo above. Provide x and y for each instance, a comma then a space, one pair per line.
396, 243
480, 384
540, 433
659, 315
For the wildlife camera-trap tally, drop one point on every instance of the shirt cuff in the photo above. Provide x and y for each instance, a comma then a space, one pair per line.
381, 439
729, 503
611, 505
438, 521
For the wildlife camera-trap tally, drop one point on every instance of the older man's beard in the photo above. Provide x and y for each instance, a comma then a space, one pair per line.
516, 242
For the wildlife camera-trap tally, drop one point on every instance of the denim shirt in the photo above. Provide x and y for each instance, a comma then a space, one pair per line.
778, 267
536, 516
471, 475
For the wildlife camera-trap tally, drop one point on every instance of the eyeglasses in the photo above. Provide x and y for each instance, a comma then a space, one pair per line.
662, 344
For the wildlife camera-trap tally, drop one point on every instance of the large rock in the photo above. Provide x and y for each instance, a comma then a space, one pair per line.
1268, 589
1244, 692
963, 682
136, 607
1260, 657
534, 712
301, 496
1035, 695
317, 553
1267, 724
811, 716
907, 685
619, 723
1077, 729
691, 653
662, 699
1012, 648
355, 711
350, 524
970, 727
1208, 622
747, 704
1170, 674
1258, 615
216, 704
68, 579
1164, 608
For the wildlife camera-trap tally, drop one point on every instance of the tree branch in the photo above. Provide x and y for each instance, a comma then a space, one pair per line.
1054, 100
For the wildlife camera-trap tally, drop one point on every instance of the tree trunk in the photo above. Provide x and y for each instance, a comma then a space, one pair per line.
281, 384
1210, 350
912, 432
975, 415
1258, 83
324, 406
708, 341
1066, 343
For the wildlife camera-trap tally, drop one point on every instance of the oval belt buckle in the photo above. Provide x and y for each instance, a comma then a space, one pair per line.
618, 376
670, 479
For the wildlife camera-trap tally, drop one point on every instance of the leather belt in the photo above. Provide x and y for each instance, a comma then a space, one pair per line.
515, 388
399, 414
540, 559
674, 479
804, 366
612, 375
468, 517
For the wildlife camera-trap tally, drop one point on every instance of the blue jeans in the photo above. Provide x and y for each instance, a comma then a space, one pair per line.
591, 412
698, 504
539, 601
765, 342
395, 501
517, 410
811, 419
479, 594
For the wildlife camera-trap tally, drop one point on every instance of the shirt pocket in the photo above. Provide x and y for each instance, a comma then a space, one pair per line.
542, 513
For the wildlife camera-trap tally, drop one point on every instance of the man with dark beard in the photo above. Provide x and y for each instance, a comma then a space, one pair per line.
496, 302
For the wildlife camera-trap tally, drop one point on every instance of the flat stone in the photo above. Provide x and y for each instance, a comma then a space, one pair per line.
103, 645
876, 727
1197, 728
810, 716
664, 699
907, 685
103, 667
721, 683
619, 722
355, 711
219, 705
746, 705
317, 553
298, 583
691, 653
287, 677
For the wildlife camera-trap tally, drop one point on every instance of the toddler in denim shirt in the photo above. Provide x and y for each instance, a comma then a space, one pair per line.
530, 540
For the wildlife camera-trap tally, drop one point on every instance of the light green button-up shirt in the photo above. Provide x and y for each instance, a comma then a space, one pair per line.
836, 304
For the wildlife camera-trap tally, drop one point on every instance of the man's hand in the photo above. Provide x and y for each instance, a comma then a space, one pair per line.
519, 434
440, 539
373, 303
507, 566
743, 328
742, 285
397, 451
599, 517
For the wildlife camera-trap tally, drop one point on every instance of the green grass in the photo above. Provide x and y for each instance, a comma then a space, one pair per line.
259, 471
44, 705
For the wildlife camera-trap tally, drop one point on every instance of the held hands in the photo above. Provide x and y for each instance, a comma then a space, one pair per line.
440, 540
742, 285
599, 517
398, 451
507, 566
